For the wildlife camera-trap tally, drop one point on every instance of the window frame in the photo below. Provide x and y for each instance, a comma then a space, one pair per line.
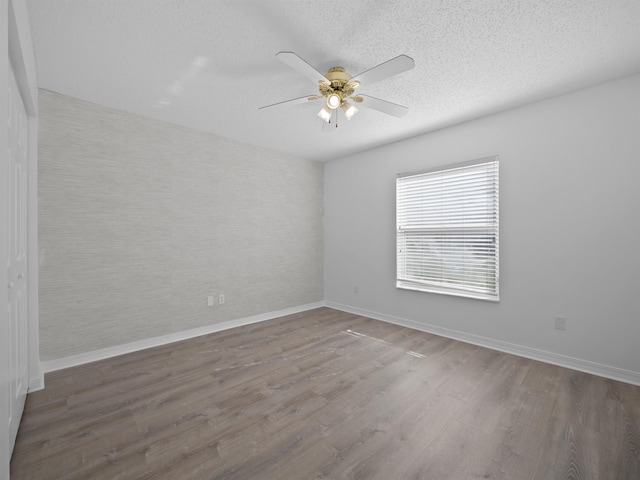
468, 236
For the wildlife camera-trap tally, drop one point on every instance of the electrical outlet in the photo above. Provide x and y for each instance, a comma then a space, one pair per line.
210, 301
221, 299
560, 323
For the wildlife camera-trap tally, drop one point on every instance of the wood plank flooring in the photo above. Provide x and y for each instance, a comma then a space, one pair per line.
327, 395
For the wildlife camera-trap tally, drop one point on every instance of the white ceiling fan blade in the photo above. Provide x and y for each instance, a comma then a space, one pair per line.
383, 106
293, 101
301, 66
396, 65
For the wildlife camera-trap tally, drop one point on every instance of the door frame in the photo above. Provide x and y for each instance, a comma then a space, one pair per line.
16, 50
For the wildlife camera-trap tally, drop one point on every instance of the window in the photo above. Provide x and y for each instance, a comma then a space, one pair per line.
447, 230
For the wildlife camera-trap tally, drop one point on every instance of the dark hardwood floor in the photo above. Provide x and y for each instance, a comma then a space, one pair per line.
327, 395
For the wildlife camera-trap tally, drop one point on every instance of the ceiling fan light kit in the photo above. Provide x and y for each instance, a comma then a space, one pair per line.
349, 110
337, 86
325, 114
334, 101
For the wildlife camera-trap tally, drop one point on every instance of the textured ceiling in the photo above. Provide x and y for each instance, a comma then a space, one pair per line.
209, 64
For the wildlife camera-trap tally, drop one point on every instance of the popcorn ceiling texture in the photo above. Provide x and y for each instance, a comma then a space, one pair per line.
140, 221
209, 65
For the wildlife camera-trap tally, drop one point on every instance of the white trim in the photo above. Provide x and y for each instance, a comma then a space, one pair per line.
104, 353
22, 58
5, 374
404, 285
36, 383
586, 366
17, 54
36, 376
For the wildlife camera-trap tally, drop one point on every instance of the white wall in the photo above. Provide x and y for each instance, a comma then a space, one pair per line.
569, 226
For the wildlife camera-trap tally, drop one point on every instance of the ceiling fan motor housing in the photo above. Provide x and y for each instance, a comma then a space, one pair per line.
340, 86
337, 76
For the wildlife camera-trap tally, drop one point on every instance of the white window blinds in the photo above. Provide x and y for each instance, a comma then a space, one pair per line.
447, 230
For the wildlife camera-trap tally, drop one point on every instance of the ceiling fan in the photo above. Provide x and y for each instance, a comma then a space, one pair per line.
338, 88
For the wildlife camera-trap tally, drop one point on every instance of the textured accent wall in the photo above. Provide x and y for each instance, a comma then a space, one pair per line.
140, 221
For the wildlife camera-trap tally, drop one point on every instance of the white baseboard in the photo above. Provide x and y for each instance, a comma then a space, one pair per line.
586, 366
104, 353
36, 383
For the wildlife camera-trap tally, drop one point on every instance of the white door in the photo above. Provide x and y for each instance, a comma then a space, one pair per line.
17, 257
